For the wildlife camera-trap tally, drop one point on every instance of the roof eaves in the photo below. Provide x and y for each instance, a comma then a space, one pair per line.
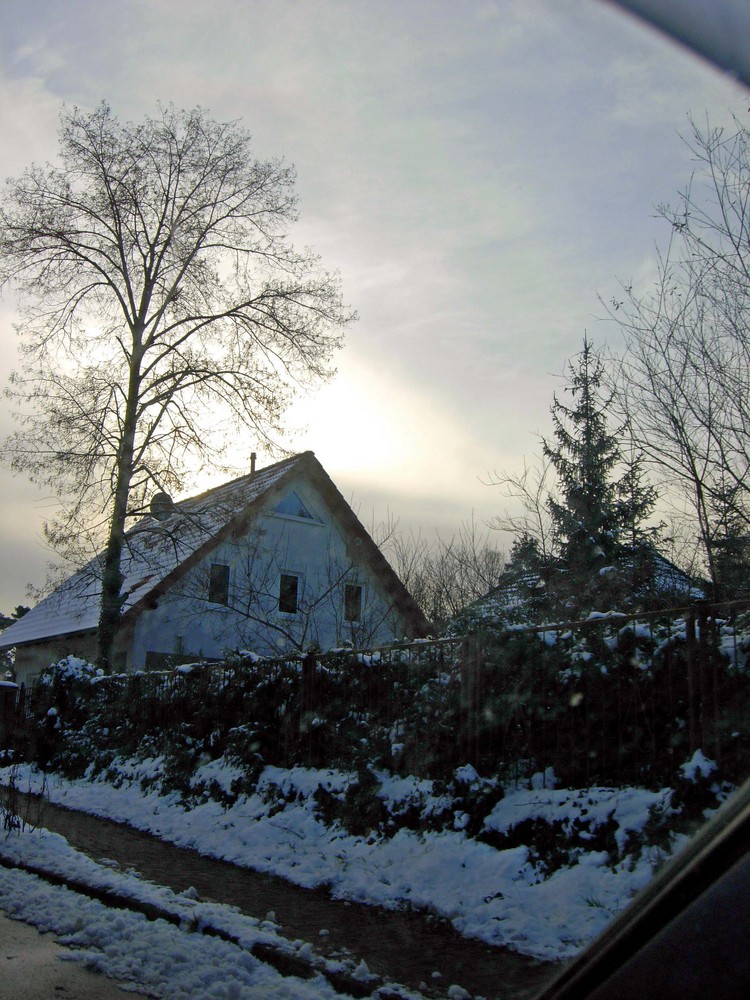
43, 637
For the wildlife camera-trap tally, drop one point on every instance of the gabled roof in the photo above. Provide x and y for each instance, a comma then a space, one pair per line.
159, 551
514, 589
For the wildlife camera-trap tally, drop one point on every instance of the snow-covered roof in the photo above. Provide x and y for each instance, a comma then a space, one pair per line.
513, 590
159, 549
154, 549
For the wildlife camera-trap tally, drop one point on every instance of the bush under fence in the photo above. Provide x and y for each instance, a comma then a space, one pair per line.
611, 700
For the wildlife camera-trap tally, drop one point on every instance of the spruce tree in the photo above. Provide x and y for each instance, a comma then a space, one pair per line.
527, 572
598, 518
729, 543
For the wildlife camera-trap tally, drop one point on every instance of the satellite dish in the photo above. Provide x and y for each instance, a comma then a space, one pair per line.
162, 506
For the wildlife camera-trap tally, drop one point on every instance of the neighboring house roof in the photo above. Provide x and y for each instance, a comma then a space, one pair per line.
513, 590
669, 577
158, 551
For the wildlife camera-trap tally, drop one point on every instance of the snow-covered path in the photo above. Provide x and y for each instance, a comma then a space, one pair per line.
401, 946
153, 956
36, 966
498, 895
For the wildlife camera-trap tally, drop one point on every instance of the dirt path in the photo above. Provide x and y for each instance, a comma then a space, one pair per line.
416, 950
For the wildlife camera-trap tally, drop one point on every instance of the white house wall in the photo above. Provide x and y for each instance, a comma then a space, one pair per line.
316, 551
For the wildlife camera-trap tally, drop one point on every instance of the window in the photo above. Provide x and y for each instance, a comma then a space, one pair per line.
288, 588
293, 507
352, 602
218, 584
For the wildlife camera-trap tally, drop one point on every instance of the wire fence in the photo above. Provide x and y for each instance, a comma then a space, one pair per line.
613, 699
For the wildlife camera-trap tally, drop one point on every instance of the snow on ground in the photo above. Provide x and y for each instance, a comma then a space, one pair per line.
501, 896
152, 956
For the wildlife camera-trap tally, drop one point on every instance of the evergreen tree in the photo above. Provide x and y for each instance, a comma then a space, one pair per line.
730, 543
6, 657
528, 572
598, 518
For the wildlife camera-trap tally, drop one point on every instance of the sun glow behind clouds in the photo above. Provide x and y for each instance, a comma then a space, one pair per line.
365, 423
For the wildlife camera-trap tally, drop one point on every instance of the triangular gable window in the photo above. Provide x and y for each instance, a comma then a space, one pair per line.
292, 506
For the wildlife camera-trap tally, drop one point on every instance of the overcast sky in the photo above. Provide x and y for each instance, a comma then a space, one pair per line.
479, 173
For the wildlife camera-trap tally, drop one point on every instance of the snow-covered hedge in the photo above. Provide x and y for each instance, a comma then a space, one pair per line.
613, 703
527, 865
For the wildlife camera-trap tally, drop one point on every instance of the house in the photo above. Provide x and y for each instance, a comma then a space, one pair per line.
273, 562
528, 595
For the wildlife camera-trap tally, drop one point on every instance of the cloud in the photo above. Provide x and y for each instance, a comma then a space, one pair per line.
477, 173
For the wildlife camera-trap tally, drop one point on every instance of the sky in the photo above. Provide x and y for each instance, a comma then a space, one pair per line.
480, 174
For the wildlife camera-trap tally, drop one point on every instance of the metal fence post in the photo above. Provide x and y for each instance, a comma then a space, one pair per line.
469, 660
692, 686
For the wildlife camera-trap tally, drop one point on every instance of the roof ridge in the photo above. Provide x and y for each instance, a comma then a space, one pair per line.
248, 476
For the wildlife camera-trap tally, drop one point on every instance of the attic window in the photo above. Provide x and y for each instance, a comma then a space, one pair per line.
292, 506
218, 584
352, 602
288, 590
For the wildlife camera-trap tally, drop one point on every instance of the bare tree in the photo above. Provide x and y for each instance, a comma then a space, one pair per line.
683, 382
163, 304
529, 493
444, 575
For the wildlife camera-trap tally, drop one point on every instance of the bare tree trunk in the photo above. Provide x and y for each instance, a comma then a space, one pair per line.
112, 576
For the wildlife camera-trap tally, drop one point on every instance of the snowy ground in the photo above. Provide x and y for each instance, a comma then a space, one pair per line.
504, 897
152, 956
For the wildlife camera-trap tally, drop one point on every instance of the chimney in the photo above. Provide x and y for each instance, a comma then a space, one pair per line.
253, 456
